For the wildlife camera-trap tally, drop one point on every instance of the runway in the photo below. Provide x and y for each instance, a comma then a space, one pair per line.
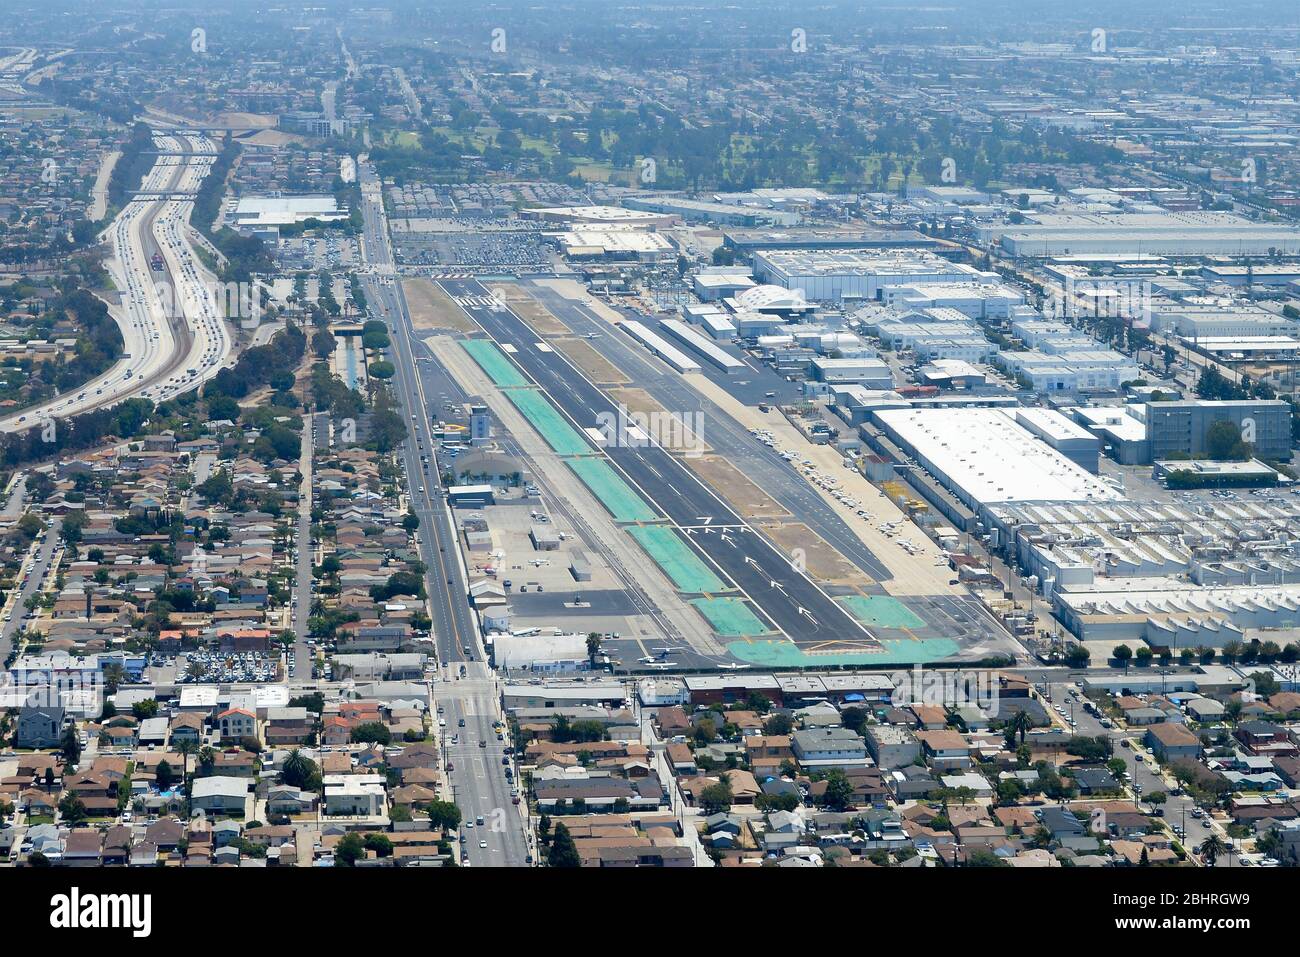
787, 600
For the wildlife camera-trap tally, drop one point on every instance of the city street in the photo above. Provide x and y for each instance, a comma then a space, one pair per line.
478, 778
300, 603
1177, 807
43, 552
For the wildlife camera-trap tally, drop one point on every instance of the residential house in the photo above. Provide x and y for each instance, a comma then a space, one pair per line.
1172, 741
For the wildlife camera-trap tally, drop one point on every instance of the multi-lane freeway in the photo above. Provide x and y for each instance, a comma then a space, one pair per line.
463, 687
174, 336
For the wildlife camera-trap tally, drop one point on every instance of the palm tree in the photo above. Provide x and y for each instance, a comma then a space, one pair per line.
186, 747
1020, 724
114, 674
1211, 848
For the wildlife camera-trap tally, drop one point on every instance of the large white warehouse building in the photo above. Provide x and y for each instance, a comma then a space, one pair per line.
986, 457
824, 275
1187, 234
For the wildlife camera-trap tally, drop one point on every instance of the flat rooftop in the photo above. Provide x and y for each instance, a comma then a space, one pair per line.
988, 458
284, 210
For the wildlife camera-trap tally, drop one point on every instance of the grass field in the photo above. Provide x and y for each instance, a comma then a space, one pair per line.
431, 308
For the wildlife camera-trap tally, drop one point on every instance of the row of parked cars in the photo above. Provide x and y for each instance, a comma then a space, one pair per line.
233, 666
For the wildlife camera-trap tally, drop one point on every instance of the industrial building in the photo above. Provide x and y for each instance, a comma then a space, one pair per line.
1056, 429
979, 300
1094, 370
1168, 613
869, 372
984, 457
598, 216
1184, 234
749, 241
1182, 428
770, 300
715, 355
251, 214
660, 347
856, 403
930, 341
715, 283
1198, 319
823, 275
1116, 550
615, 245
951, 374
724, 214
1123, 430
1264, 274
1206, 473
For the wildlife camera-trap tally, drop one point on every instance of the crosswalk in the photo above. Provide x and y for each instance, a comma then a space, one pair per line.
451, 275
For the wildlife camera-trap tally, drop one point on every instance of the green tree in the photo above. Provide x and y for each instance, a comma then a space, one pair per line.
717, 797
164, 774
186, 747
114, 675
371, 732
1223, 442
855, 719
300, 772
839, 790
779, 723
1020, 724
71, 810
349, 850
444, 815
70, 745
380, 844
706, 731
563, 852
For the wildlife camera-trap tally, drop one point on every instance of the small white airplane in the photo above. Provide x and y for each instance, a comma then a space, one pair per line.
732, 666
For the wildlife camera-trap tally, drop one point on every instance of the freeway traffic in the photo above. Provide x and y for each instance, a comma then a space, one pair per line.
173, 336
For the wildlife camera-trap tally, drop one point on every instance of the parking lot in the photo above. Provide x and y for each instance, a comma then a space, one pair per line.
208, 667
